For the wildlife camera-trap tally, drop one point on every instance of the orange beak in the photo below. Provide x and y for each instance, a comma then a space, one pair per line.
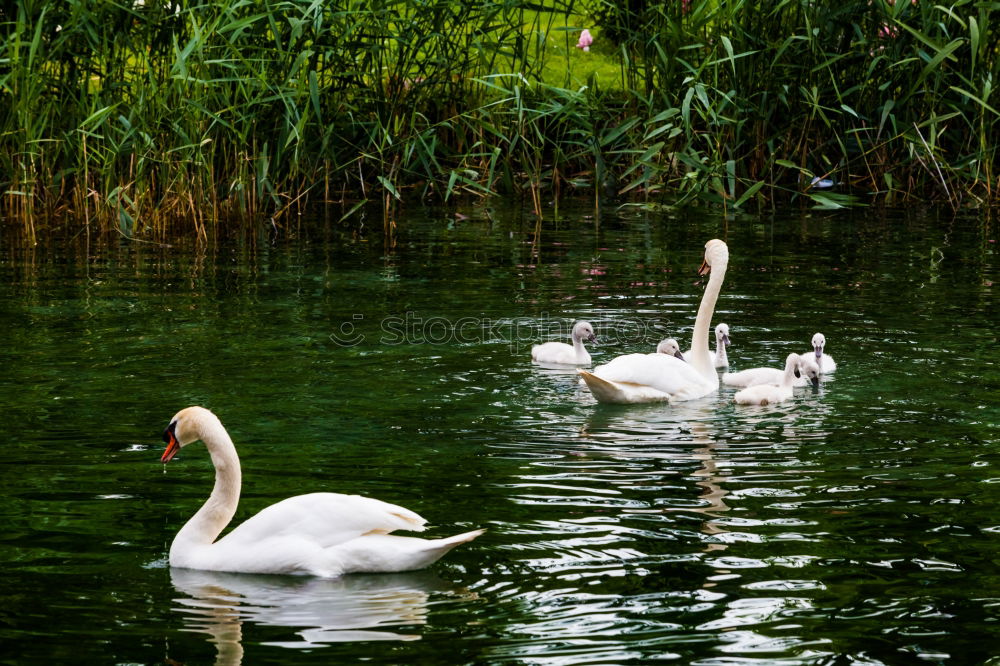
704, 268
173, 446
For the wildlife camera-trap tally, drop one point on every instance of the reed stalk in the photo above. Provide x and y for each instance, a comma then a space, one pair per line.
151, 118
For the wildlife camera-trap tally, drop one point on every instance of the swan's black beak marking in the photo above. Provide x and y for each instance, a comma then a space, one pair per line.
173, 446
704, 268
815, 382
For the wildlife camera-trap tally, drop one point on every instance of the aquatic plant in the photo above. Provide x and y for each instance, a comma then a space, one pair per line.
154, 116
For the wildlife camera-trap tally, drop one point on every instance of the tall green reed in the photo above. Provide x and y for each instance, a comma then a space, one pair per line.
162, 115
886, 99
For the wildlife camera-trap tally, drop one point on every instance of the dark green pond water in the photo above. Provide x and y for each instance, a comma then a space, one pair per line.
856, 523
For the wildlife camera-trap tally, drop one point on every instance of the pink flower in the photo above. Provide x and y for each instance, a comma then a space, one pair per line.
887, 31
585, 40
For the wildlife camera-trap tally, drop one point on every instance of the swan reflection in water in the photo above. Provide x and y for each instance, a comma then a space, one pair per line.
689, 423
356, 607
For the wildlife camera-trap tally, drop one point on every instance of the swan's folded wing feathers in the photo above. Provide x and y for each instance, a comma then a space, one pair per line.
327, 519
665, 374
753, 377
620, 392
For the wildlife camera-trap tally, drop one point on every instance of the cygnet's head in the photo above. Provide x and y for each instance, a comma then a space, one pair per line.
670, 347
818, 343
716, 256
722, 334
582, 330
186, 427
808, 368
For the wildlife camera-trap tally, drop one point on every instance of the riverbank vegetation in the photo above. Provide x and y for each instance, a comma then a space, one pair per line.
160, 117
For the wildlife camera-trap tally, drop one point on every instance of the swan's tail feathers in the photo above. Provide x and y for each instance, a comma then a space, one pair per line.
385, 553
435, 549
465, 537
602, 389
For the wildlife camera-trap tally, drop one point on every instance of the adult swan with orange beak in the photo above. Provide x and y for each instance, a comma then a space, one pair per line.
638, 378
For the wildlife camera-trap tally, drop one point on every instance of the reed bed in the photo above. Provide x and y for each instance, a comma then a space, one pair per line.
164, 117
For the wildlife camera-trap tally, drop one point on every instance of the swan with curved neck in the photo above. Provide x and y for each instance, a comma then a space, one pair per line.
560, 353
796, 367
636, 378
719, 357
320, 534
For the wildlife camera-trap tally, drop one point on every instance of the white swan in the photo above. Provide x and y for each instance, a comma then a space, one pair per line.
669, 347
321, 534
636, 378
796, 367
719, 357
825, 361
561, 353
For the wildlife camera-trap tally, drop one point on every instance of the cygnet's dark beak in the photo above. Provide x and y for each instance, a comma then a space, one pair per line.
819, 352
815, 381
592, 338
725, 339
678, 354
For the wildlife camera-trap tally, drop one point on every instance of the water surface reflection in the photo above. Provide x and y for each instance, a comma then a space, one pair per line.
387, 607
658, 497
853, 524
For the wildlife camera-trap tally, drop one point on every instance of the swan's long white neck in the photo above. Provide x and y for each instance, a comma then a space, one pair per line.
699, 339
206, 525
720, 350
788, 379
578, 348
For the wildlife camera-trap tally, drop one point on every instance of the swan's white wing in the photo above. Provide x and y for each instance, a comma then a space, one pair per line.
665, 374
549, 350
558, 353
753, 377
325, 519
621, 393
762, 394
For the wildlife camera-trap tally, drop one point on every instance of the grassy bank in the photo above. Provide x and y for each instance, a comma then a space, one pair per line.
157, 119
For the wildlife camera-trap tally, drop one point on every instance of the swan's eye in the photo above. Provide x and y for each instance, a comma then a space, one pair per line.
168, 433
